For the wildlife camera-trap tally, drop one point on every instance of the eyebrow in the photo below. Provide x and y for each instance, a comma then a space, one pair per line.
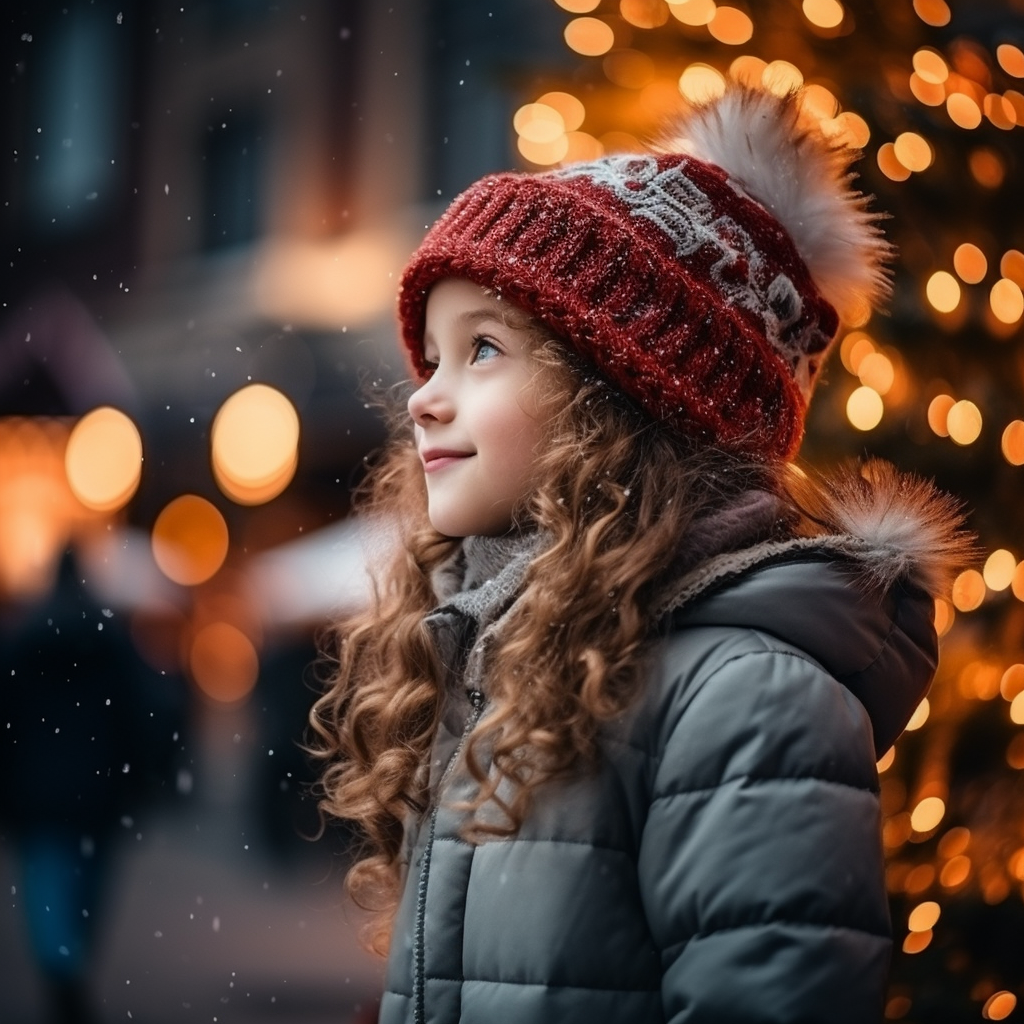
483, 313
471, 317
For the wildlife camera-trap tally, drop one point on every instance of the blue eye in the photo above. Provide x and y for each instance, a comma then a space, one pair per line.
483, 350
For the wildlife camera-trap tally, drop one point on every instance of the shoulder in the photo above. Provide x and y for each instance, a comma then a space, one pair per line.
727, 700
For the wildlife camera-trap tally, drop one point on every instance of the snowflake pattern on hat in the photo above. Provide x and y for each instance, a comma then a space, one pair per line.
666, 196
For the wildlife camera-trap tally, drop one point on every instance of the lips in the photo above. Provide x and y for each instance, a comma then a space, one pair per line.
438, 458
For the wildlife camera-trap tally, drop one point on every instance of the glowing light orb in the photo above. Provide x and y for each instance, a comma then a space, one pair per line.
999, 569
933, 12
1007, 301
190, 540
852, 129
1012, 683
1017, 709
963, 110
928, 93
943, 291
631, 69
824, 13
930, 66
223, 663
819, 101
864, 408
731, 26
103, 459
581, 146
854, 348
1011, 59
970, 263
938, 414
1000, 111
781, 77
1011, 265
544, 153
539, 122
1013, 443
964, 422
877, 372
968, 590
748, 69
568, 106
999, 1005
590, 37
913, 151
945, 616
955, 872
916, 942
254, 444
889, 163
644, 13
923, 818
692, 12
924, 916
701, 82
920, 715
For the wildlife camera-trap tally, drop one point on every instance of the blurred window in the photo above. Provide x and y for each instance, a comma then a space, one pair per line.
77, 92
234, 159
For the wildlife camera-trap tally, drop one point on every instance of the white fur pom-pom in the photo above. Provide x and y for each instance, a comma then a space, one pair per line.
802, 178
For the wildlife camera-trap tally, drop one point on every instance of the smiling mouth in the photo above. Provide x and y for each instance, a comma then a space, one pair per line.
438, 458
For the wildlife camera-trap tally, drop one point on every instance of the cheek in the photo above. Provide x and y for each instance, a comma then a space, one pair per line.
516, 438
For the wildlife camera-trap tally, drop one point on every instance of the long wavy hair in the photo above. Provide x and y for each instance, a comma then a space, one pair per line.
616, 495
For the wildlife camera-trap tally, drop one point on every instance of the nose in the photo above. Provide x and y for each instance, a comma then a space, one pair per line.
431, 402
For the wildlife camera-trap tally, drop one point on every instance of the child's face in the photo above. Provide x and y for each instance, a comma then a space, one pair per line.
477, 418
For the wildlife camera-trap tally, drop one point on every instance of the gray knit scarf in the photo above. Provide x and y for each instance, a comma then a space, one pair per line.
475, 588
481, 581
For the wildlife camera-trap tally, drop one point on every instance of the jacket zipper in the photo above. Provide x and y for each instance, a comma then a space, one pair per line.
476, 699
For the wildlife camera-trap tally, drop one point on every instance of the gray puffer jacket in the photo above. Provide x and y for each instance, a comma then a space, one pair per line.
722, 863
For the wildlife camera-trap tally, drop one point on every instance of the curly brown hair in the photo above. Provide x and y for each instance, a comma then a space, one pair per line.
617, 493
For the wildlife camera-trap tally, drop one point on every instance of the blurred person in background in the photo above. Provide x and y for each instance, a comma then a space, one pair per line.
88, 727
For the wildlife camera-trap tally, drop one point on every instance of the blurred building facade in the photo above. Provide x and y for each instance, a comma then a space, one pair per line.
207, 196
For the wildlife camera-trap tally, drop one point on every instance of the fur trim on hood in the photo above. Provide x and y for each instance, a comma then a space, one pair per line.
890, 527
898, 527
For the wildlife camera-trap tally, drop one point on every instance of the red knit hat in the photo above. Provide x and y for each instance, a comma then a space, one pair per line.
703, 281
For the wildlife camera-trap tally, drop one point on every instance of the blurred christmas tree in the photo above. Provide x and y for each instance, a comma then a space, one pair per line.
933, 95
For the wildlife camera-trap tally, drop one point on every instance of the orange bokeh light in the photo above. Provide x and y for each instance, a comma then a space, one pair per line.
190, 540
970, 263
103, 459
933, 12
223, 662
254, 443
590, 37
731, 26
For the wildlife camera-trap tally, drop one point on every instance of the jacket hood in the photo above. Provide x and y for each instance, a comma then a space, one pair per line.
857, 594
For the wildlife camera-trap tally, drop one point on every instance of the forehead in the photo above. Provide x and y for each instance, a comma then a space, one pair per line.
455, 298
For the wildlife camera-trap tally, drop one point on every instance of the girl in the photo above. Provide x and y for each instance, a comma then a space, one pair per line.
610, 727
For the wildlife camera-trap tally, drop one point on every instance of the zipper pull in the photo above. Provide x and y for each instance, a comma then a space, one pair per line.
476, 698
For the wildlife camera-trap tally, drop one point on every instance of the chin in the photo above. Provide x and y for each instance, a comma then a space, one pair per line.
449, 525
460, 525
